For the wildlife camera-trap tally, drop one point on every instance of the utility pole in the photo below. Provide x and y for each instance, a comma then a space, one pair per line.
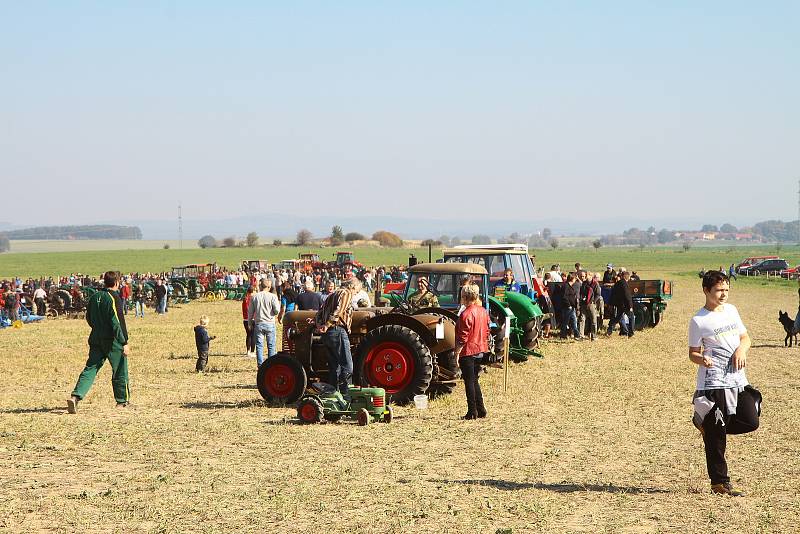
180, 228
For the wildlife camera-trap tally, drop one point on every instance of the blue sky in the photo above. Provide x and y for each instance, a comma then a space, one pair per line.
519, 110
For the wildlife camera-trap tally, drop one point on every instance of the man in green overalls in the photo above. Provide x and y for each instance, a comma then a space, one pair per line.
108, 340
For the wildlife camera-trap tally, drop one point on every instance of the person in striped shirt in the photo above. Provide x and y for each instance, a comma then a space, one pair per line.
333, 321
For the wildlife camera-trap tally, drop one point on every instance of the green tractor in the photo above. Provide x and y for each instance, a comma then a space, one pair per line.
521, 307
364, 404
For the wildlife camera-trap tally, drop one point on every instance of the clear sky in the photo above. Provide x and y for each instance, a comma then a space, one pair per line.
523, 110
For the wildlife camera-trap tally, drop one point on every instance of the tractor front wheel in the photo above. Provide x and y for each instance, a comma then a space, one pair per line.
389, 415
281, 379
363, 417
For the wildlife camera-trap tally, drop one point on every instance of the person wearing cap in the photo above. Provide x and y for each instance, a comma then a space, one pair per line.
423, 297
609, 274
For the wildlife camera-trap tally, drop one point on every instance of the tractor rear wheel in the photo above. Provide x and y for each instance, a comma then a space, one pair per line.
281, 379
396, 359
641, 315
448, 371
64, 299
309, 411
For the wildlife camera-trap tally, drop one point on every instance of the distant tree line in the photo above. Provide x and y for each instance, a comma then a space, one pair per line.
98, 231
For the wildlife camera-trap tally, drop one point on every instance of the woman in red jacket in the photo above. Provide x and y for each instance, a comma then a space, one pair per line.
472, 341
250, 339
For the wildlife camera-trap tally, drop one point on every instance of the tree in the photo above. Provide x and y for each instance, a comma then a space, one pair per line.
597, 244
455, 241
709, 228
252, 239
728, 228
207, 241
354, 236
337, 236
686, 246
778, 247
554, 243
515, 237
546, 233
303, 237
431, 242
481, 240
229, 242
5, 244
664, 236
166, 246
387, 239
277, 242
444, 240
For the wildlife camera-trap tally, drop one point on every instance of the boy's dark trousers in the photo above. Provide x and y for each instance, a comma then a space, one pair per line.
714, 436
202, 360
470, 367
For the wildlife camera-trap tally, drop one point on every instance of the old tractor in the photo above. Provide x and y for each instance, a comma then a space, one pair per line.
407, 350
365, 405
523, 308
649, 301
256, 266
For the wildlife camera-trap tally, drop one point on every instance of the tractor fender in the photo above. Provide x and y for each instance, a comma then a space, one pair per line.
424, 325
523, 307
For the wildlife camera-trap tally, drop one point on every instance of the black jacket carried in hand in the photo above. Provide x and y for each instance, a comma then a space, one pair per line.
621, 296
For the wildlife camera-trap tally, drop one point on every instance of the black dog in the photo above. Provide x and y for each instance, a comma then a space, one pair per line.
788, 325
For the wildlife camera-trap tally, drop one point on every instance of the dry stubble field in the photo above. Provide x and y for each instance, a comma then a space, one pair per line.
594, 438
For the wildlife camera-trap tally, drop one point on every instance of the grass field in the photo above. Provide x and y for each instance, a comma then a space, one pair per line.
648, 260
595, 437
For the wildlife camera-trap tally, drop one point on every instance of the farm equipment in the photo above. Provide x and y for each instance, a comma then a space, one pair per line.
191, 281
345, 258
256, 266
222, 292
649, 301
524, 308
405, 350
365, 405
311, 261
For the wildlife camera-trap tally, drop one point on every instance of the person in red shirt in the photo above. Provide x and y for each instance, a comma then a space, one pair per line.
250, 339
472, 341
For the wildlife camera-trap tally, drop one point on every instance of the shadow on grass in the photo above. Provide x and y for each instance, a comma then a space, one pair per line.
255, 403
194, 356
60, 409
767, 346
564, 487
238, 386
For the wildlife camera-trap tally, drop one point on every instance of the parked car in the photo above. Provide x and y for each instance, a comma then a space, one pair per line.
791, 272
751, 261
766, 266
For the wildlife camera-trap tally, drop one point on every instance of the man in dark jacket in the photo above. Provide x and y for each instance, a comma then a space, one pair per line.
107, 341
622, 301
161, 297
569, 305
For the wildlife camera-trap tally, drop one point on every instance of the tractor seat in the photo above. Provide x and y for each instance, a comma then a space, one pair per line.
323, 388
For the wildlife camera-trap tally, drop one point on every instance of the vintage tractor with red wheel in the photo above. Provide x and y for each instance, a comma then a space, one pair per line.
407, 350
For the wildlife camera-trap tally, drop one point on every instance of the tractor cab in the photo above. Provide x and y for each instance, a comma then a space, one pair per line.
438, 285
255, 266
496, 259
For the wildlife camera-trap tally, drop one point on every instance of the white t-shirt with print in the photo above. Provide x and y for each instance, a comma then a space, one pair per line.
718, 333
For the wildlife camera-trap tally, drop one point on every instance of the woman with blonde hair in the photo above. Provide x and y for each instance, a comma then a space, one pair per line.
472, 341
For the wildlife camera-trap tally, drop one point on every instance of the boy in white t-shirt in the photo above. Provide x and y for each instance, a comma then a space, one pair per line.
724, 401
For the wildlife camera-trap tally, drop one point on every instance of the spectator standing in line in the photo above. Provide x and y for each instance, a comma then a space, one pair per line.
472, 342
11, 305
609, 274
588, 310
330, 287
262, 312
124, 295
249, 341
597, 301
309, 299
576, 285
40, 298
139, 298
555, 276
622, 301
569, 301
161, 297
732, 272
333, 321
203, 341
288, 299
724, 401
107, 341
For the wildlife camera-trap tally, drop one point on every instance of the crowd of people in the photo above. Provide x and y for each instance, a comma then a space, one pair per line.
580, 301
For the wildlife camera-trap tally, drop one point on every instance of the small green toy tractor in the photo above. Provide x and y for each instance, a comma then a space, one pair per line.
366, 405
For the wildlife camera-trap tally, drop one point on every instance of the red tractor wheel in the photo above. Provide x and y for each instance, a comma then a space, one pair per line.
394, 358
281, 379
363, 417
309, 411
